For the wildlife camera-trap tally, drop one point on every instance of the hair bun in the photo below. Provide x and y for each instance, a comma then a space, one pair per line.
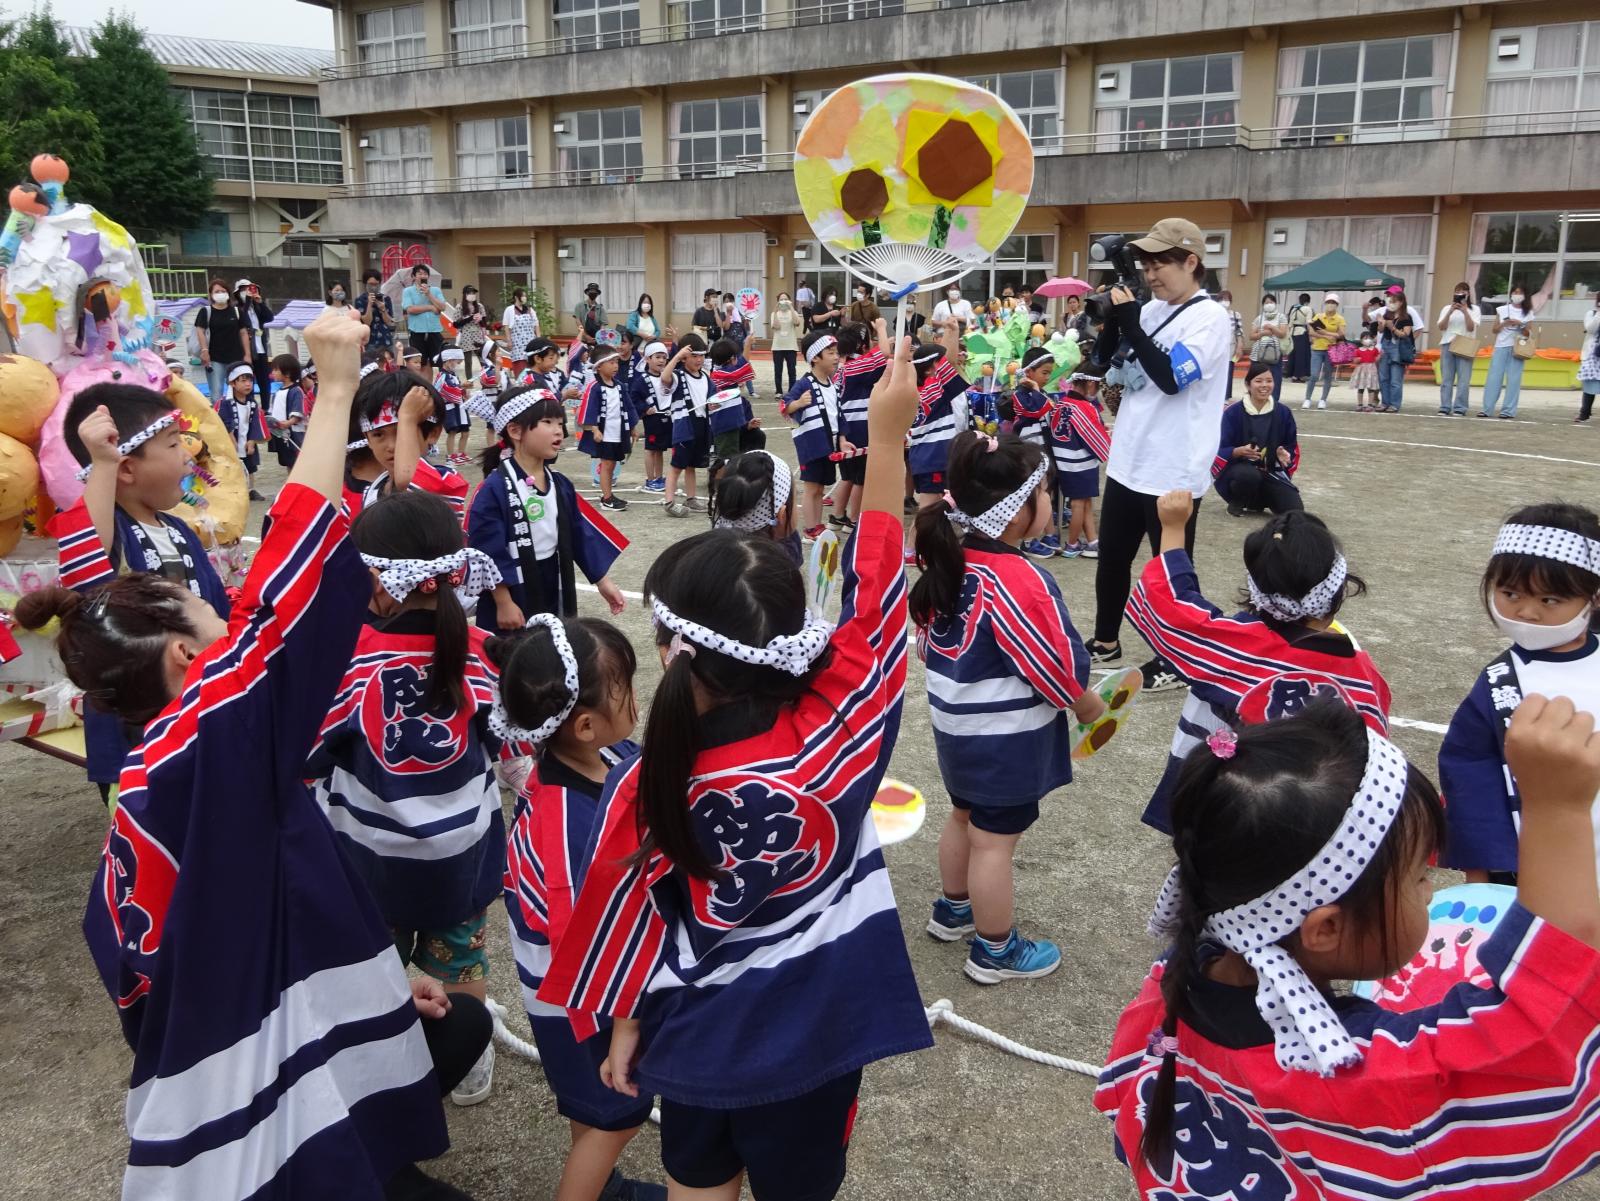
35, 610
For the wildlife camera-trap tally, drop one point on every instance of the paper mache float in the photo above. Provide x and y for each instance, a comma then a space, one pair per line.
79, 310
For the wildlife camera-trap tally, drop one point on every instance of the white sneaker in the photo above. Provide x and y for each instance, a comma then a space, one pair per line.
478, 1081
1322, 404
1305, 404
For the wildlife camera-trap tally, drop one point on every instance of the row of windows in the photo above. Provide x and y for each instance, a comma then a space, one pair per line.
263, 136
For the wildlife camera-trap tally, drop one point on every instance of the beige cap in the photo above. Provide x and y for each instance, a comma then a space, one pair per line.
1331, 298
1173, 233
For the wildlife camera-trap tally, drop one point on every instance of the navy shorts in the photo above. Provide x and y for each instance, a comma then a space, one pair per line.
1078, 485
791, 1150
611, 452
928, 482
853, 471
819, 471
573, 1071
697, 451
456, 419
658, 433
999, 819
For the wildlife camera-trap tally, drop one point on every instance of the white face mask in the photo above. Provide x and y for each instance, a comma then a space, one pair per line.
1269, 308
219, 297
1532, 637
1516, 298
1227, 304
783, 304
954, 296
645, 307
1394, 306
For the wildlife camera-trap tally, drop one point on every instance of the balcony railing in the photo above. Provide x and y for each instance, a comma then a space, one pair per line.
681, 27
1172, 139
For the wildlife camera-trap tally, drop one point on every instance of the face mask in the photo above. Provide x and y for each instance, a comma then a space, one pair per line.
1269, 308
783, 304
1227, 304
954, 296
1394, 306
338, 293
645, 307
220, 297
470, 297
1516, 298
1540, 638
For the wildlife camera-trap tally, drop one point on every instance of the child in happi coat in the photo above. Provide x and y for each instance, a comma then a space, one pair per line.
755, 495
813, 405
241, 415
129, 441
737, 899
492, 377
1541, 589
1080, 442
1005, 669
941, 415
544, 370
277, 1046
402, 416
567, 687
402, 765
683, 389
1302, 858
731, 372
1269, 660
862, 358
457, 424
529, 519
1033, 420
608, 419
287, 423
647, 402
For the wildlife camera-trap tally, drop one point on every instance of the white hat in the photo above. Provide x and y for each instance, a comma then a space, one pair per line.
452, 353
1333, 296
243, 283
654, 348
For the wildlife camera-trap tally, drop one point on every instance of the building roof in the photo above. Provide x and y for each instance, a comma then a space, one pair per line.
212, 54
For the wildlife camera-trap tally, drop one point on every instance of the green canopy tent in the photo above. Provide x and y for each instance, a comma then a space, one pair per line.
1336, 271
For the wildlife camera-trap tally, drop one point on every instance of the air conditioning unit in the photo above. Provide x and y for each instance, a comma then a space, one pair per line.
771, 241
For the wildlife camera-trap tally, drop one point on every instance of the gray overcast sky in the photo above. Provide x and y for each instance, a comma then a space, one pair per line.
274, 22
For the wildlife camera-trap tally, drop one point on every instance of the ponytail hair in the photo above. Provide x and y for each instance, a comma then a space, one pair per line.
531, 416
419, 525
1291, 554
744, 588
979, 478
1241, 826
743, 480
533, 685
113, 640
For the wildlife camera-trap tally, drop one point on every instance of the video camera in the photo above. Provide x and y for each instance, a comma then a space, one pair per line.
1116, 252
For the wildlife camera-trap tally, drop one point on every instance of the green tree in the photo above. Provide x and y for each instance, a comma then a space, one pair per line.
42, 112
153, 168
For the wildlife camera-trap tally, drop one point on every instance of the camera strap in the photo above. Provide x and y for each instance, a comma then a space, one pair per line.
1173, 316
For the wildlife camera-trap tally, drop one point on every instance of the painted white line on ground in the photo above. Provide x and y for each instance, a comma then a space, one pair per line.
248, 538
1471, 450
1404, 723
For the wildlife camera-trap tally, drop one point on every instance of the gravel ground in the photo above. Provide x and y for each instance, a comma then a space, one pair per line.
1416, 500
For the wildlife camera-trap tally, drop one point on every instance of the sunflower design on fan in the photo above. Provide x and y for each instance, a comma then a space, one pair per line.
1119, 691
911, 180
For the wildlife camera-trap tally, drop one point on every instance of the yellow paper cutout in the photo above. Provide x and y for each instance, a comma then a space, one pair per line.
133, 297
38, 306
113, 232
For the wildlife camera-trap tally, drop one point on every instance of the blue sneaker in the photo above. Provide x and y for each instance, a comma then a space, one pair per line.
1053, 541
1038, 550
1023, 959
656, 485
1091, 550
1072, 550
950, 921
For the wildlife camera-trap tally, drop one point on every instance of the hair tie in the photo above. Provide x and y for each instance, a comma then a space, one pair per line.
994, 443
501, 725
1161, 1044
1224, 743
950, 502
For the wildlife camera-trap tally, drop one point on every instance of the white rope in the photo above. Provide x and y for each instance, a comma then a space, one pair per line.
941, 1012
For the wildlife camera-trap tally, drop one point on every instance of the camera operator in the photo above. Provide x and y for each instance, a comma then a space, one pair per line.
1175, 351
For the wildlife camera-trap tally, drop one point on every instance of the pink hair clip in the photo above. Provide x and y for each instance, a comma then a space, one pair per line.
678, 646
950, 502
1224, 743
994, 443
1161, 1045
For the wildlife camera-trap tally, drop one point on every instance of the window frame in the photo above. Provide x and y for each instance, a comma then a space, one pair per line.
1359, 128
595, 12
684, 24
1558, 306
717, 167
489, 32
1046, 142
1166, 136
571, 145
513, 160
377, 154
614, 261
1584, 73
697, 276
392, 40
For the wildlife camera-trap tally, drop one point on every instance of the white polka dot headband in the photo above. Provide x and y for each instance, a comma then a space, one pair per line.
470, 572
606, 356
358, 444
993, 520
1307, 1035
1315, 603
134, 443
1548, 542
793, 653
765, 513
502, 725
367, 369
483, 406
820, 345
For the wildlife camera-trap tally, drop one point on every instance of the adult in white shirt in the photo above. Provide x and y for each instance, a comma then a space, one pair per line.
1457, 319
953, 306
1176, 351
1505, 369
1589, 362
521, 323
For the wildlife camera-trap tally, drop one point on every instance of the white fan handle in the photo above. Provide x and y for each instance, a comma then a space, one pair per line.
903, 299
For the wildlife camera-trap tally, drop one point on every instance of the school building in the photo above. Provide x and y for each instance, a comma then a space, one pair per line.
1439, 141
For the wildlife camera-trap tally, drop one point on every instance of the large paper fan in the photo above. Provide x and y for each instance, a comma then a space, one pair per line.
912, 180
